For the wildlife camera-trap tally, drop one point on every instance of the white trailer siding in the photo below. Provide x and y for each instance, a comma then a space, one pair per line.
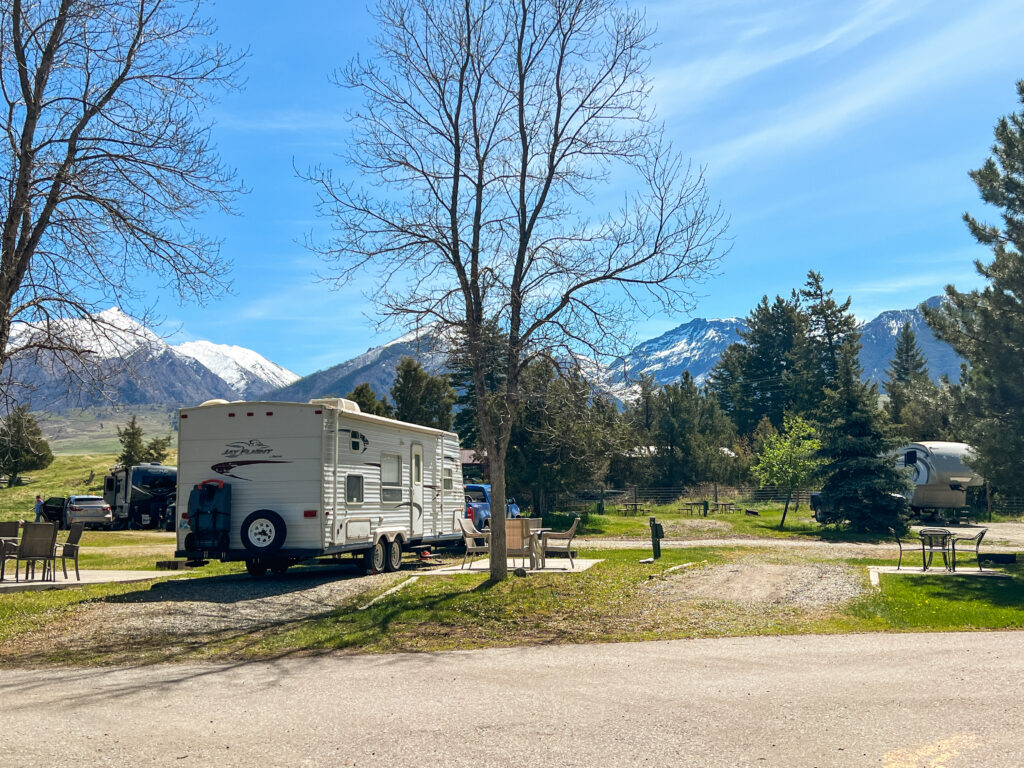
339, 480
285, 455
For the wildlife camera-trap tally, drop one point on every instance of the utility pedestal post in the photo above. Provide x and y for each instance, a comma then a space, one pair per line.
657, 534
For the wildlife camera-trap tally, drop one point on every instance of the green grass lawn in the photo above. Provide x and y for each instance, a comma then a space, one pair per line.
682, 525
941, 603
617, 600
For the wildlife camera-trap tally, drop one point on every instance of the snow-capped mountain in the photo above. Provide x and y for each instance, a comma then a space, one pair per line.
134, 366
376, 367
878, 344
694, 346
248, 372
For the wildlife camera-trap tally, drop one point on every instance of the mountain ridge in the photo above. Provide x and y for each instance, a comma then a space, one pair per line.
138, 367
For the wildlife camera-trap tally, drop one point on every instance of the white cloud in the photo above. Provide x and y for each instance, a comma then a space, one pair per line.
686, 86
961, 49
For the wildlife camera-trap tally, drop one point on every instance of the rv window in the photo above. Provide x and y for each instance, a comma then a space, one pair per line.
910, 458
447, 482
354, 489
357, 441
108, 484
417, 468
390, 477
390, 469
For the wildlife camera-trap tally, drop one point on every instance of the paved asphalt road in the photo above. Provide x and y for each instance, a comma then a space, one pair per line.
900, 701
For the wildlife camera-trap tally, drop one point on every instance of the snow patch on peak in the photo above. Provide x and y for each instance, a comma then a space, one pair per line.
238, 366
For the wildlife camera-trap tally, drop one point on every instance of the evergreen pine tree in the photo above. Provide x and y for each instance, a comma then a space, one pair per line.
856, 452
364, 396
912, 395
133, 449
22, 445
986, 327
751, 380
829, 328
421, 398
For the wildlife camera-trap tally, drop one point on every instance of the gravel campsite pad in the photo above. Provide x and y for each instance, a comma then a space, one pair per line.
690, 529
190, 615
808, 587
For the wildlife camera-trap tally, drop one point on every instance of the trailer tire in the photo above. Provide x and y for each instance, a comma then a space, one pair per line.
394, 561
263, 532
376, 556
256, 568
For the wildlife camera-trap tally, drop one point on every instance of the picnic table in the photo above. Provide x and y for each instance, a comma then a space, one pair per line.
724, 506
634, 507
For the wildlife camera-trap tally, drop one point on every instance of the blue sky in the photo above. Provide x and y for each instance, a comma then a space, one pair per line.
837, 136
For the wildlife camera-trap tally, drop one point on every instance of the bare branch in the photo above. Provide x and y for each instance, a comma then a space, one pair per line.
104, 161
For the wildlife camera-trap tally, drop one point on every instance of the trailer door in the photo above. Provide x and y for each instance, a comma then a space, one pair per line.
416, 490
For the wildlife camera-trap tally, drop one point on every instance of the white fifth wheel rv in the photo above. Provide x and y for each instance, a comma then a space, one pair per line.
941, 476
274, 483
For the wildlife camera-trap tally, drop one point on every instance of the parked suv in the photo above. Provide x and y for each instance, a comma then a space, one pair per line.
478, 505
91, 510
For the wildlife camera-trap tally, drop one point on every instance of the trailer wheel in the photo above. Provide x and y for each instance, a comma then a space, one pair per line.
376, 556
263, 532
394, 562
256, 568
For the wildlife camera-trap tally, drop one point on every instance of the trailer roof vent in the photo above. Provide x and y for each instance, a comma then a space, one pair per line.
337, 403
215, 401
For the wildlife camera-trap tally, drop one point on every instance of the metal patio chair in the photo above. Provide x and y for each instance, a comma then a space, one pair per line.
899, 543
69, 548
37, 543
969, 540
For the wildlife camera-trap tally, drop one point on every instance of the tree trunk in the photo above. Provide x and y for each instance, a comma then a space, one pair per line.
785, 509
499, 566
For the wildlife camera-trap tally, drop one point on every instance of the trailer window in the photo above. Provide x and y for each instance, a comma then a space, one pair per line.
390, 477
357, 441
417, 468
447, 482
354, 489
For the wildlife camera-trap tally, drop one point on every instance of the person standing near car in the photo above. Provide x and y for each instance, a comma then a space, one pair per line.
39, 509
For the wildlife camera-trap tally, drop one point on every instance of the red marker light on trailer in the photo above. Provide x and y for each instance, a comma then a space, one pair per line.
309, 513
270, 413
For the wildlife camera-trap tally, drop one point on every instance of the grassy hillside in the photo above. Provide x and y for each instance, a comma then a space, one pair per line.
94, 430
68, 474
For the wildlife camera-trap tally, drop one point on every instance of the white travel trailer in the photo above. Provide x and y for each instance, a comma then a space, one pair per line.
274, 483
941, 476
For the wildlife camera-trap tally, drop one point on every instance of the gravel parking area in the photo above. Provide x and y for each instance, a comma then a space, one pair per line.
190, 614
808, 587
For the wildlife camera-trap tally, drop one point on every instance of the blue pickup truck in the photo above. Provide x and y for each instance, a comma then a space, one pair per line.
478, 506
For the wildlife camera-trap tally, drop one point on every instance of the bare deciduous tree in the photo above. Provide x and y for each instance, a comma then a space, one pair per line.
510, 171
104, 162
